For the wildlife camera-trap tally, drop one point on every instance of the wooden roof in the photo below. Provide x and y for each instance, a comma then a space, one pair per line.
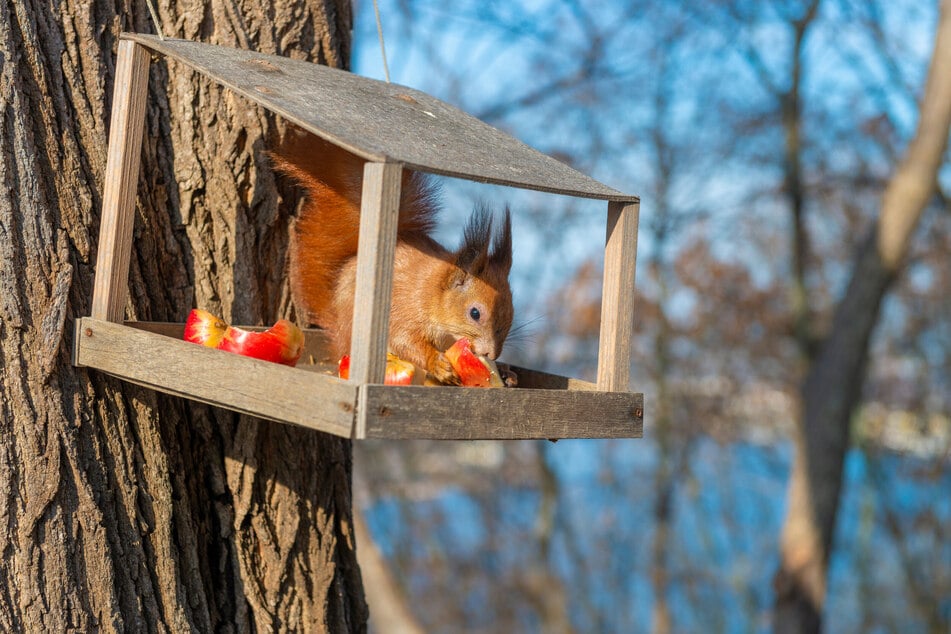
381, 122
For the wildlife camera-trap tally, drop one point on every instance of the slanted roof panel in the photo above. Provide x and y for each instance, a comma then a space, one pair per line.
380, 121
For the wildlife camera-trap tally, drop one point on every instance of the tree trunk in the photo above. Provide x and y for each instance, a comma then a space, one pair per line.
123, 509
832, 386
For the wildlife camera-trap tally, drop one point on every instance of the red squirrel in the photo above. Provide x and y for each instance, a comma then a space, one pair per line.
438, 295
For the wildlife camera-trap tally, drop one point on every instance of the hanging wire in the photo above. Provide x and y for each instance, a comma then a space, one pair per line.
379, 30
155, 20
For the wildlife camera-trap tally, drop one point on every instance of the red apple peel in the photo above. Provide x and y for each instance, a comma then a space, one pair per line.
473, 370
398, 372
281, 343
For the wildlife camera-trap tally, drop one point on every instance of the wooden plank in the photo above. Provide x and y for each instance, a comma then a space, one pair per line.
222, 379
379, 213
536, 379
381, 122
121, 182
151, 354
617, 299
449, 413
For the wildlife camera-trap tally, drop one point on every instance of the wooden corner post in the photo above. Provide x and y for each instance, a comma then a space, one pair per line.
121, 182
379, 213
617, 300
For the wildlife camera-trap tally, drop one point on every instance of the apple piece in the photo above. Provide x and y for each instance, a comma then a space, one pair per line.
343, 367
473, 370
398, 371
495, 377
204, 328
281, 343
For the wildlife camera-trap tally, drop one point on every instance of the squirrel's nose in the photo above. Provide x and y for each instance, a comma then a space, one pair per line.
485, 348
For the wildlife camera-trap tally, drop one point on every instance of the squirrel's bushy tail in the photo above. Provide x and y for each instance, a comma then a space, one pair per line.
325, 233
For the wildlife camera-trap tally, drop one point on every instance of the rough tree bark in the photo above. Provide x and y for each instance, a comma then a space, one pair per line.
122, 509
832, 386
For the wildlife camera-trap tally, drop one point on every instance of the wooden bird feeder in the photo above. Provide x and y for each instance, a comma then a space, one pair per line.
393, 128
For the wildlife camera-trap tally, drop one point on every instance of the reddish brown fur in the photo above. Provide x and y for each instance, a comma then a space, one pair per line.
434, 290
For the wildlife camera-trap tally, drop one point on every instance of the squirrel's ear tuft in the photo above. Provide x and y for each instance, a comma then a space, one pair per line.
473, 254
502, 249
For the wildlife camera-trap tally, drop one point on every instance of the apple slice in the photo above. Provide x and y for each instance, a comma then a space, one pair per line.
398, 372
281, 343
473, 370
204, 328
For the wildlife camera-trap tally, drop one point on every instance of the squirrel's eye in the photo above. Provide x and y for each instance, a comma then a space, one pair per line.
474, 313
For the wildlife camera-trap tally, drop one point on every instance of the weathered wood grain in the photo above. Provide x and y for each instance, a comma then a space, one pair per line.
121, 182
536, 379
501, 413
382, 122
151, 354
379, 213
242, 384
617, 299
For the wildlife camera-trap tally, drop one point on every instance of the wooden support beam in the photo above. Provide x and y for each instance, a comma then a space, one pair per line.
121, 182
154, 356
222, 379
452, 413
379, 213
617, 300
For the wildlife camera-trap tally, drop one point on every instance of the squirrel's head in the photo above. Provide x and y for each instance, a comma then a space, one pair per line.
477, 299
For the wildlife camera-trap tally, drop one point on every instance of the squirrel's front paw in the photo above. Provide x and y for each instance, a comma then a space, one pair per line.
443, 371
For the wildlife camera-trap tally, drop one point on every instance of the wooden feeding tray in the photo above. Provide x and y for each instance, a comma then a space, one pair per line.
393, 127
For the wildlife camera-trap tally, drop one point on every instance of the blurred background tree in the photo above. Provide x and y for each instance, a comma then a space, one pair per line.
794, 344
